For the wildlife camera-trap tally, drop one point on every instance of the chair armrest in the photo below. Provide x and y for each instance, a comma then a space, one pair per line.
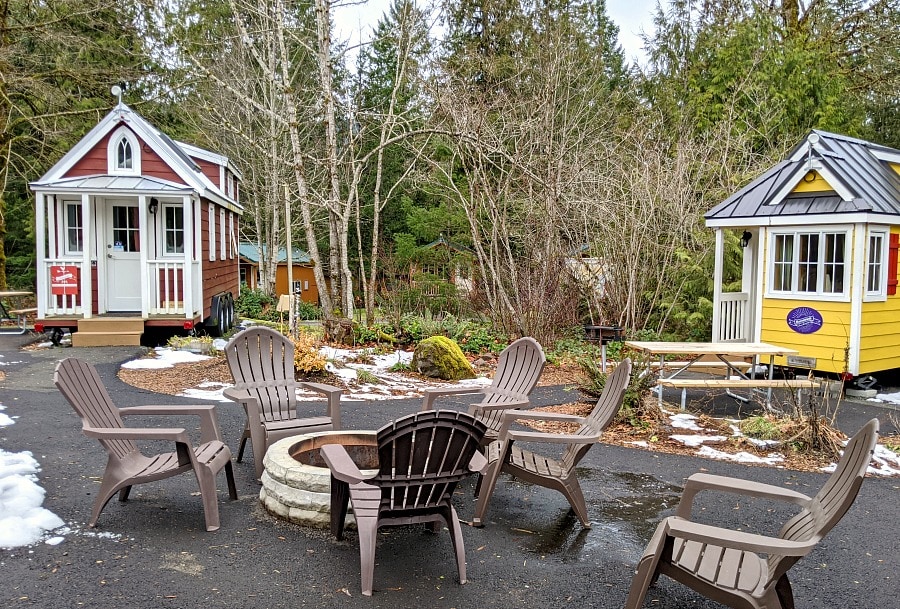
478, 463
237, 394
174, 434
511, 404
432, 394
342, 466
334, 400
550, 438
209, 426
710, 482
738, 540
544, 416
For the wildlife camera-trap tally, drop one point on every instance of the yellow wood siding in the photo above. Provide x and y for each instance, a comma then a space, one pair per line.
880, 332
895, 167
816, 184
827, 345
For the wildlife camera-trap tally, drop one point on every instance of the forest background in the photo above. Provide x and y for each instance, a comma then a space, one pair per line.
516, 132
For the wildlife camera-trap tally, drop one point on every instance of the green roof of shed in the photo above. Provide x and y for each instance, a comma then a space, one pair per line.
249, 252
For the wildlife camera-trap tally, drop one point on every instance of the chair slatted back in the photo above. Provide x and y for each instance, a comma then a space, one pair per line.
602, 415
80, 384
833, 499
422, 457
262, 360
518, 372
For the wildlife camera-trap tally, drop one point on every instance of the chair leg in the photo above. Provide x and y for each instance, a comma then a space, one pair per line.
785, 593
124, 492
206, 479
229, 478
258, 439
368, 532
243, 443
106, 492
487, 483
340, 497
457, 539
572, 491
646, 573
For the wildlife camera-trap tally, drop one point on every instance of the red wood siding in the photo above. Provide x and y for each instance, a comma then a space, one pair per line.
152, 165
211, 171
218, 275
93, 162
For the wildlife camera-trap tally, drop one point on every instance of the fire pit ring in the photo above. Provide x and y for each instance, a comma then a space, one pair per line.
296, 483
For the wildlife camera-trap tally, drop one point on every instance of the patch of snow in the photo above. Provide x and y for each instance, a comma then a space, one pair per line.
891, 398
885, 462
640, 443
697, 440
24, 521
165, 358
741, 457
684, 420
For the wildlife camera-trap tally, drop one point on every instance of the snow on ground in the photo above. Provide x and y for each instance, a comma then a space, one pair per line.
165, 358
23, 521
890, 398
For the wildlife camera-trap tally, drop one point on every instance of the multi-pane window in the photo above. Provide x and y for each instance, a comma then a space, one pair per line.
124, 158
74, 229
173, 229
875, 265
809, 262
126, 234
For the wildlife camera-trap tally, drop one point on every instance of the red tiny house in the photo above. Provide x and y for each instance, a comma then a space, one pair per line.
144, 225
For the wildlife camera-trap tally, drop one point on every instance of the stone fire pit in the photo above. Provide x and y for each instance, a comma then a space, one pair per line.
296, 483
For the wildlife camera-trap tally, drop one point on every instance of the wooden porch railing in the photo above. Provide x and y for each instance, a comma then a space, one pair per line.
733, 320
166, 287
58, 304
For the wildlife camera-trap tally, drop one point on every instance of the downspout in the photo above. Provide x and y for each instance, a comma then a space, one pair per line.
717, 287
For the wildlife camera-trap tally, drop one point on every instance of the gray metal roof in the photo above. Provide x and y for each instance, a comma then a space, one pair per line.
111, 183
874, 186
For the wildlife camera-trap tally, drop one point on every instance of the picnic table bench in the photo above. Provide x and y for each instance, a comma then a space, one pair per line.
737, 383
20, 316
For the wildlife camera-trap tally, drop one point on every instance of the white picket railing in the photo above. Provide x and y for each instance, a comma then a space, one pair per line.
59, 304
165, 287
733, 321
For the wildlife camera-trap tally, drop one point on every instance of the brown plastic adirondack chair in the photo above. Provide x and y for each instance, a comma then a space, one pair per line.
421, 458
79, 383
726, 565
559, 474
261, 361
518, 371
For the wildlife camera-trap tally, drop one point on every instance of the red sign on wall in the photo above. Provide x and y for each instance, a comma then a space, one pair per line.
64, 280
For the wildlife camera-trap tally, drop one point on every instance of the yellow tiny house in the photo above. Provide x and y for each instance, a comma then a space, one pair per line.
820, 233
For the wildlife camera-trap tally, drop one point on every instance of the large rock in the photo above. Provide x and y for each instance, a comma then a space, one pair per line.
440, 357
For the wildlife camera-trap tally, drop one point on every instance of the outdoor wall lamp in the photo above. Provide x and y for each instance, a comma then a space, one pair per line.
154, 205
745, 238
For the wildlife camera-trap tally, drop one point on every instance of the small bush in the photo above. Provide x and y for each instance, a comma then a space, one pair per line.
367, 378
761, 428
308, 311
254, 304
307, 359
637, 408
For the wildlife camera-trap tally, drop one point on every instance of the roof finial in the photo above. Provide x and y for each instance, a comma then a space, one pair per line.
117, 91
813, 139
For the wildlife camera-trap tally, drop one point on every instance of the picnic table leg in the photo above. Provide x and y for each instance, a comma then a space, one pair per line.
603, 355
771, 377
659, 387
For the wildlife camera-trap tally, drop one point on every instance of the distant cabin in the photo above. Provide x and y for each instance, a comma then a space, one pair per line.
135, 230
304, 280
820, 233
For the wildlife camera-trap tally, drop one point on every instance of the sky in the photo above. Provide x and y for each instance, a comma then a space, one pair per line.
25, 522
353, 18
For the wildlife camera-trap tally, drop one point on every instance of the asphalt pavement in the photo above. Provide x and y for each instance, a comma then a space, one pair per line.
153, 550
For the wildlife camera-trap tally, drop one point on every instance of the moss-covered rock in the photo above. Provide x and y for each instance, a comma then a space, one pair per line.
440, 357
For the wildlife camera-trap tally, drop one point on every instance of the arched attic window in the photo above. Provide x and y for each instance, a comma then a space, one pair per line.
124, 152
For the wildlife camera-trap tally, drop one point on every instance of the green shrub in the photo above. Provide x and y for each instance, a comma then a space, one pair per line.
254, 304
761, 428
308, 311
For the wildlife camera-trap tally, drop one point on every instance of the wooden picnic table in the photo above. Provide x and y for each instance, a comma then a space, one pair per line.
10, 313
693, 351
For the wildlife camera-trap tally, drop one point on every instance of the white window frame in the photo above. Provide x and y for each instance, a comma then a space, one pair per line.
65, 216
819, 294
123, 133
211, 212
877, 256
165, 229
222, 245
231, 239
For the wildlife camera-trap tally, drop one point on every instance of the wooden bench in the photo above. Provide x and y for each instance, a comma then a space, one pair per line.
685, 384
703, 364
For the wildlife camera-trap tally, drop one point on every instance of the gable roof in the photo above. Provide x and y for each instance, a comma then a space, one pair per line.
249, 252
858, 171
168, 150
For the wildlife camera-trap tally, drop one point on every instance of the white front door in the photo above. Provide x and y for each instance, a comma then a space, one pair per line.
123, 257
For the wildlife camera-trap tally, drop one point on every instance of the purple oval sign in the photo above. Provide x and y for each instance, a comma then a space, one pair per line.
804, 320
